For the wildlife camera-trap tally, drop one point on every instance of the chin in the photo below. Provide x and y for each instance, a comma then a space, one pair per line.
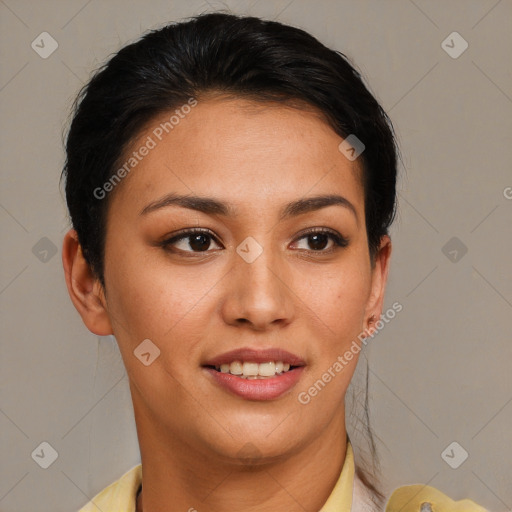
257, 450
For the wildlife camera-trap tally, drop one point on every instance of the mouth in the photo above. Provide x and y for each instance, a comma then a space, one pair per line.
256, 374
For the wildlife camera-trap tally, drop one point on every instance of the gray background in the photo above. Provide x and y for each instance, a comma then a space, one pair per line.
439, 372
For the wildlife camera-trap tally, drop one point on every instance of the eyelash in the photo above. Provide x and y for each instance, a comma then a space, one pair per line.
339, 241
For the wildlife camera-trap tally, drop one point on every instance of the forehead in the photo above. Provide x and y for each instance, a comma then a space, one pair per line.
240, 150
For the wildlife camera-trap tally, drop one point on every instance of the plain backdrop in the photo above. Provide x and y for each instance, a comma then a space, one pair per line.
439, 372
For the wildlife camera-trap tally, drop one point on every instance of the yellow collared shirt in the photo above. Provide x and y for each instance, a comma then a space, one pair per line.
120, 496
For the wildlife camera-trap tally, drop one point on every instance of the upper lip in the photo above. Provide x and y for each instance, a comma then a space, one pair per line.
256, 356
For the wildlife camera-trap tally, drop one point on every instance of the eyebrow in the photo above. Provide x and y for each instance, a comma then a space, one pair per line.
213, 206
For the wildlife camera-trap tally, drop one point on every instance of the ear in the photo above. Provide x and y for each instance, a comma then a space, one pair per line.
380, 271
85, 290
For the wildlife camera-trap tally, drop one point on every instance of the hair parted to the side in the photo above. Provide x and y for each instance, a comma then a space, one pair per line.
228, 54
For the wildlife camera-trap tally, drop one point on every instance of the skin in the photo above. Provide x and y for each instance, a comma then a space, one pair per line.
312, 303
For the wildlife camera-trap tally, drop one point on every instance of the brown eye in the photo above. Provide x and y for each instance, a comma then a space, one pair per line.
192, 241
317, 240
199, 242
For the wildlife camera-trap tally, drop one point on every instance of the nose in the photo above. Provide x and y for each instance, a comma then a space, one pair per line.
258, 294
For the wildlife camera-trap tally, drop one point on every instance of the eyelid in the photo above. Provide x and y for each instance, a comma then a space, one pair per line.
319, 229
185, 233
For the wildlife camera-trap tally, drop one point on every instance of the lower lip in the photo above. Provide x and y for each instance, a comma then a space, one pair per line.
258, 389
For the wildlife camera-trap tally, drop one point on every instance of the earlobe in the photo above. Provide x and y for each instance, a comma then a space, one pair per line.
85, 290
380, 272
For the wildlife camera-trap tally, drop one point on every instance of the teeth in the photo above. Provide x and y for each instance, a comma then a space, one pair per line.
249, 370
266, 369
236, 368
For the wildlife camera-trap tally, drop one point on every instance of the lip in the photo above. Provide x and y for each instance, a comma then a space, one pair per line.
269, 388
256, 356
258, 389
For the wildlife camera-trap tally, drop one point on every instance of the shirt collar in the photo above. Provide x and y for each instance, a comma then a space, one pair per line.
340, 499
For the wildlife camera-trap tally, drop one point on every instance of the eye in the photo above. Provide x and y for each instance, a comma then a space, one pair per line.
192, 241
198, 240
318, 239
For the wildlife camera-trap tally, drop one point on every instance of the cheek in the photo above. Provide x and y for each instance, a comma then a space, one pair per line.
336, 303
149, 299
338, 298
165, 308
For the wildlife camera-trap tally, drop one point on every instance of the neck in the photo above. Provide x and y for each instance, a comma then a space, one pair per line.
176, 472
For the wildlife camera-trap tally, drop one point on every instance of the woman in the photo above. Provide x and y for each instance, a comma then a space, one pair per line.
231, 182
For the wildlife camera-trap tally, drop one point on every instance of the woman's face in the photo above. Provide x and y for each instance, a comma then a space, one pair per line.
250, 279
